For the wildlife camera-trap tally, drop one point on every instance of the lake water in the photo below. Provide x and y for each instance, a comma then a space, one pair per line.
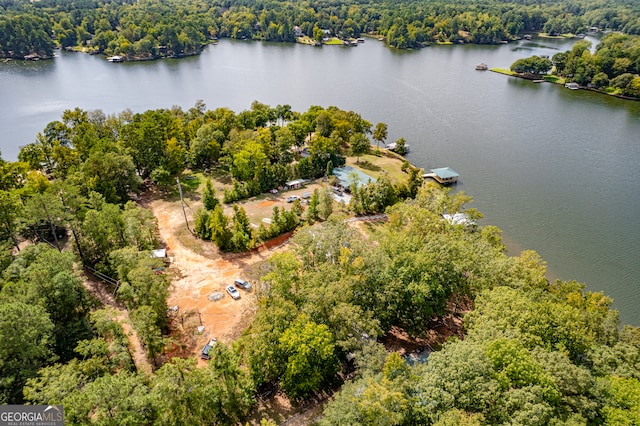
555, 169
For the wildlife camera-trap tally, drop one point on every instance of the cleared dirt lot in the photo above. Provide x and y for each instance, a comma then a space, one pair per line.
198, 269
198, 273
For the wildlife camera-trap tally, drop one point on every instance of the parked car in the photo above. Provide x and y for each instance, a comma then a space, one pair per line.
233, 292
306, 195
273, 191
207, 348
292, 198
240, 283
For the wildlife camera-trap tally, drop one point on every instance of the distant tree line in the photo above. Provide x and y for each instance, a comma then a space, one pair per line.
614, 66
155, 28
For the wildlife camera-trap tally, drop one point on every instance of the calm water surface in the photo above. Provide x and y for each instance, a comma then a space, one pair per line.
556, 169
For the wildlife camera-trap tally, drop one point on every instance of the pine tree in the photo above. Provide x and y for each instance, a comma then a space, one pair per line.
209, 199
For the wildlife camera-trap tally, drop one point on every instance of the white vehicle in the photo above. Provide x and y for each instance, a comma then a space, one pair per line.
292, 198
233, 292
240, 283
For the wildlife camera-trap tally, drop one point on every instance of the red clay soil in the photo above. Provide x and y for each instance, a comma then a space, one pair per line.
197, 276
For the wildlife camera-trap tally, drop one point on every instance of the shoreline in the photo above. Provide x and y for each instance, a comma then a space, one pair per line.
547, 78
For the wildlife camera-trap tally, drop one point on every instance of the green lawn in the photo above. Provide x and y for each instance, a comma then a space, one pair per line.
333, 41
503, 71
554, 79
545, 35
374, 166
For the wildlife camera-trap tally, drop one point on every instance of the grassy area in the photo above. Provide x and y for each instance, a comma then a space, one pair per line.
503, 71
305, 40
191, 182
545, 35
333, 41
375, 165
554, 79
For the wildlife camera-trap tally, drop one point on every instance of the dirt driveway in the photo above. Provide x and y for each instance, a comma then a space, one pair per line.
199, 270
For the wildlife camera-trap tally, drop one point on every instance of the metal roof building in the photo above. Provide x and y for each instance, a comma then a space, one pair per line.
444, 175
344, 175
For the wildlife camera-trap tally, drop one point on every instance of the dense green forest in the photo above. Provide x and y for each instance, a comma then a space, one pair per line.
531, 351
102, 161
154, 28
614, 67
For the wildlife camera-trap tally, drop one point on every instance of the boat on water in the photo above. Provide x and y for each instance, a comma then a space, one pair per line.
572, 86
482, 67
115, 58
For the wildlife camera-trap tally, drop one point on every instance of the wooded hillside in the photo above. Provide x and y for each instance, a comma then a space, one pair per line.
153, 28
525, 350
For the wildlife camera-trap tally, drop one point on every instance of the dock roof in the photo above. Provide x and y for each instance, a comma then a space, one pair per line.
445, 172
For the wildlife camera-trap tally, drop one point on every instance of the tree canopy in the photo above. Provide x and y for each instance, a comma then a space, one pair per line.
531, 351
141, 30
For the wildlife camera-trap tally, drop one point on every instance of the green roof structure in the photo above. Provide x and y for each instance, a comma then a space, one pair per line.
445, 173
344, 176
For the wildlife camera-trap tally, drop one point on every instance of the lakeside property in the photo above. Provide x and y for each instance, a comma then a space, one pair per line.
562, 81
500, 144
581, 68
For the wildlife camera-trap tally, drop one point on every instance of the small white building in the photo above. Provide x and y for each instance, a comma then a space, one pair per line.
294, 184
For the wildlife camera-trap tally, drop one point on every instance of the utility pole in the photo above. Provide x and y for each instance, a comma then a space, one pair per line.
182, 202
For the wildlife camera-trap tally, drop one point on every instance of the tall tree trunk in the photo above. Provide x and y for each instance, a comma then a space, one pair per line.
13, 238
53, 229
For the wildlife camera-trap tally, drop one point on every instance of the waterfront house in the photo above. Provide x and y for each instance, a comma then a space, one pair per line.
348, 174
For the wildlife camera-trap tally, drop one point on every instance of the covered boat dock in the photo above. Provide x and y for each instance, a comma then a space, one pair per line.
444, 175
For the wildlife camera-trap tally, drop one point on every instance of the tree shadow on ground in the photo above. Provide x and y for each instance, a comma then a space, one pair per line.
369, 166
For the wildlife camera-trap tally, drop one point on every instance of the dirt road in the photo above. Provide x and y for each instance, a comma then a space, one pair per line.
200, 270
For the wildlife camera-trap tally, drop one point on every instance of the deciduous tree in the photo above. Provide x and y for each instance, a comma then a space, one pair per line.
309, 350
